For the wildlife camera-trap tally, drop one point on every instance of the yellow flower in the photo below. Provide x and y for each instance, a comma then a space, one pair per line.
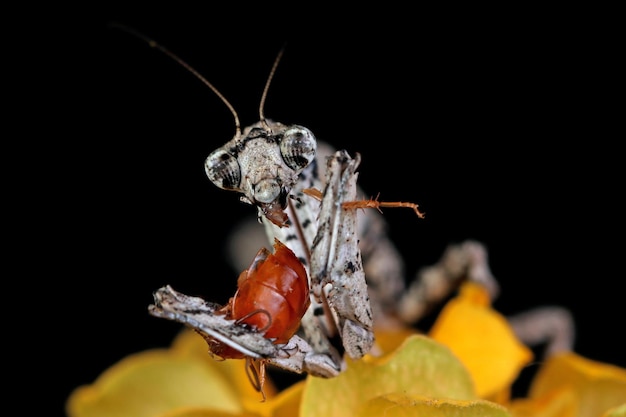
184, 381
464, 367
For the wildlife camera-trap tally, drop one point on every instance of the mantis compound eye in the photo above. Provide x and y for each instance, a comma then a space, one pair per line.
223, 170
298, 147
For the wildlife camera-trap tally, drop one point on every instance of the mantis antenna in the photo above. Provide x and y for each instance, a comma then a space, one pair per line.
267, 86
152, 43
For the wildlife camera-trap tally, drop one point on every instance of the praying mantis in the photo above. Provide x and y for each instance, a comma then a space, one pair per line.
306, 196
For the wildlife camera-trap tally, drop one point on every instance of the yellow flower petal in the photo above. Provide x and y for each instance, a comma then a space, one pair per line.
619, 411
578, 386
400, 405
388, 340
483, 341
205, 412
287, 402
189, 342
420, 366
557, 403
159, 381
150, 383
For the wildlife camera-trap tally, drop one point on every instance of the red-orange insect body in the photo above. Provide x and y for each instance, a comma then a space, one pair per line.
273, 294
272, 297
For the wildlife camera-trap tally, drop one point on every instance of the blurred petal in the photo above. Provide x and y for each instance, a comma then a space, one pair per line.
399, 405
189, 342
149, 384
619, 411
388, 340
287, 403
557, 403
204, 412
483, 341
571, 385
158, 381
420, 366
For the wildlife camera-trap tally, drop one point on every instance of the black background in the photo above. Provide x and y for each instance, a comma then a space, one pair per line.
498, 130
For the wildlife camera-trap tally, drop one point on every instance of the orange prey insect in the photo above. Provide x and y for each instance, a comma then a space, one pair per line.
271, 298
